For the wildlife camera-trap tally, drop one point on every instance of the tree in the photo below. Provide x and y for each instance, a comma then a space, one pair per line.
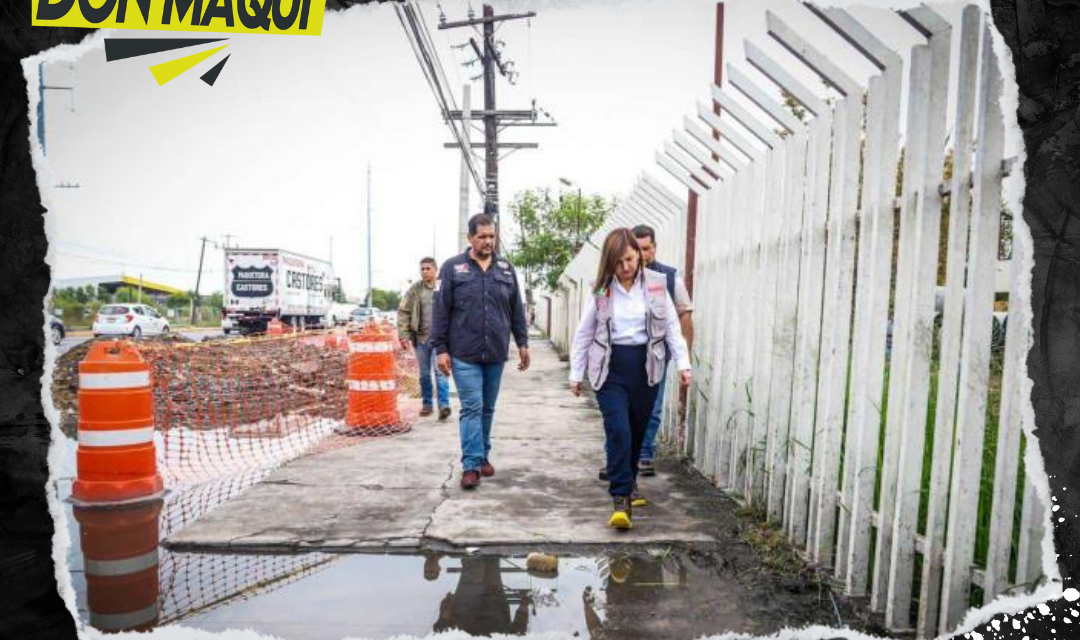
385, 300
552, 231
180, 300
126, 294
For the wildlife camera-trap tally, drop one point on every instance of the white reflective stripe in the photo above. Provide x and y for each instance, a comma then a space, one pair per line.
116, 437
121, 567
125, 380
371, 347
121, 621
372, 385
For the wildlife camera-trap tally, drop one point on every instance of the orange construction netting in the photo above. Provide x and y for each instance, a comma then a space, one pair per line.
231, 406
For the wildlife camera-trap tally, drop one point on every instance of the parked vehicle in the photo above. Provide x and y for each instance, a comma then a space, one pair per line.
57, 330
263, 284
361, 314
133, 320
339, 313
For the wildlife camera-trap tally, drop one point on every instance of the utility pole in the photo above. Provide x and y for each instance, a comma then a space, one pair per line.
491, 131
371, 287
198, 281
491, 60
463, 209
42, 87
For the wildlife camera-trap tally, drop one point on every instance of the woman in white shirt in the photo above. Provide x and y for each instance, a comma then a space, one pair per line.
622, 344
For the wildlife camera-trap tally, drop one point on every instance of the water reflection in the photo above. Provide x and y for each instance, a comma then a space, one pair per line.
481, 604
125, 581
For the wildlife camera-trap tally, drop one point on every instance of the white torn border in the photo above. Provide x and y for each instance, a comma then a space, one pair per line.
45, 180
1013, 189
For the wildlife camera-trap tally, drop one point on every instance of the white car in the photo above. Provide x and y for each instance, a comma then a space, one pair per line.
133, 320
339, 314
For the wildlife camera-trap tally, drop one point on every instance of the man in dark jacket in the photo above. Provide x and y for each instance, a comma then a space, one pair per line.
676, 286
478, 306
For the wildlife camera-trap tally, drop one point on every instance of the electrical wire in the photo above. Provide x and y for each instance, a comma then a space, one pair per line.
424, 51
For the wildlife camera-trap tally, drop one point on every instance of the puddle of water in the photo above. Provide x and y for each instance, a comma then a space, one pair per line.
121, 585
320, 596
124, 580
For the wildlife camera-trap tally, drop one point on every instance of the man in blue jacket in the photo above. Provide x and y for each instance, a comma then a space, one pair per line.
478, 305
676, 286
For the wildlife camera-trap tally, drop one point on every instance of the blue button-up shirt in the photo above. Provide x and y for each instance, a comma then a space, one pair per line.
476, 311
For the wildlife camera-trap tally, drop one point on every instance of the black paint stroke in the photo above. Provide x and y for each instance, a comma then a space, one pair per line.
121, 48
210, 77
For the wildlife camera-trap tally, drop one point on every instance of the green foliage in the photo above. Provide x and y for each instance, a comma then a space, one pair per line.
126, 294
552, 230
180, 300
385, 300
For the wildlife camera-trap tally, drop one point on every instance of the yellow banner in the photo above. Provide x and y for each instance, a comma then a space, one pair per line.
279, 17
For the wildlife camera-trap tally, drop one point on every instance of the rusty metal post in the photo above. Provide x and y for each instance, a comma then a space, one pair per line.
692, 198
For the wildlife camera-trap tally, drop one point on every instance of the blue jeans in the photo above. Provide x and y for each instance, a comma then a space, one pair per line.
424, 354
478, 389
626, 401
648, 450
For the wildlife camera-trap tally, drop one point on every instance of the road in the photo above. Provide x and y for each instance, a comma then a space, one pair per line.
71, 342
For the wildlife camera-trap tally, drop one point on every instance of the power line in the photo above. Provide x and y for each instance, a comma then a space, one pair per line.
127, 263
424, 51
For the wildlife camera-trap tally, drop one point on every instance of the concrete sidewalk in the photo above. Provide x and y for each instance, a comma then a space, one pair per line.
401, 493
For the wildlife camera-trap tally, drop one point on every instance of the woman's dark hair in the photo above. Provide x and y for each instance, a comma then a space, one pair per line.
615, 245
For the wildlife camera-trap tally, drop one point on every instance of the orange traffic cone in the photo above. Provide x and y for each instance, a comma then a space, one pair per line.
275, 328
116, 459
372, 379
120, 559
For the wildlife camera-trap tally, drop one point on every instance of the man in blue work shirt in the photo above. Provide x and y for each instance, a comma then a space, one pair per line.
477, 307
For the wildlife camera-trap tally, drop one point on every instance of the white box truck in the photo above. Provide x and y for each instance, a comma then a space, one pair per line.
262, 284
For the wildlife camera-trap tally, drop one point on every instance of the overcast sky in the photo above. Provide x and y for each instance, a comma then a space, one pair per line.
275, 152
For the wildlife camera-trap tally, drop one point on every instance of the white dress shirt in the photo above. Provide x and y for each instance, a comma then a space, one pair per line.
629, 313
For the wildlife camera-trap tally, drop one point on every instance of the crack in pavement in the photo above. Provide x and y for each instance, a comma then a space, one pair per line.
445, 496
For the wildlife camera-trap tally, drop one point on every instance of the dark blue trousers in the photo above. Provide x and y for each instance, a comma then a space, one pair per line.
626, 401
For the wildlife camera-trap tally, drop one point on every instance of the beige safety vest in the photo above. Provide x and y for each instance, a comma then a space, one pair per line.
599, 352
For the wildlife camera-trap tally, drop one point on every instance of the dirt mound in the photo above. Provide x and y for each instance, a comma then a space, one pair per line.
65, 382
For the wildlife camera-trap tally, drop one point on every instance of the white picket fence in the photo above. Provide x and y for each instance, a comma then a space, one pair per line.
842, 385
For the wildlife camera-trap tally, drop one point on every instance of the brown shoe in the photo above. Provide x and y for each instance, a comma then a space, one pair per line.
426, 411
487, 470
444, 413
470, 479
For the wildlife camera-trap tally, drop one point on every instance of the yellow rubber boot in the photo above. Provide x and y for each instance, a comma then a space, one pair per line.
620, 516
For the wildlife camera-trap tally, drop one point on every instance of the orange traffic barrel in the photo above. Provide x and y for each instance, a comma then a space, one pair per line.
116, 460
120, 561
372, 380
275, 327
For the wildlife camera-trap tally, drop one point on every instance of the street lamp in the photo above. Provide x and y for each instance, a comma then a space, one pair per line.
577, 231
